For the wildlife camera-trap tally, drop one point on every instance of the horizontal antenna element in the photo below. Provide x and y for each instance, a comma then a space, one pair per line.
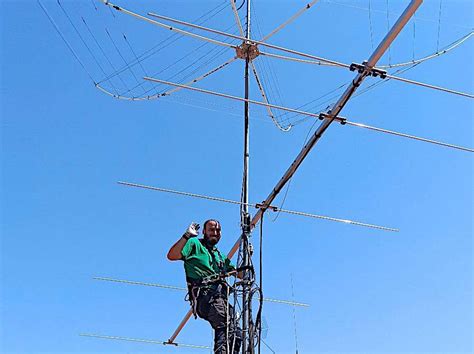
155, 285
149, 341
260, 206
314, 115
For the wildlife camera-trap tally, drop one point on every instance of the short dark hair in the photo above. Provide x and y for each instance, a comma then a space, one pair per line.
209, 220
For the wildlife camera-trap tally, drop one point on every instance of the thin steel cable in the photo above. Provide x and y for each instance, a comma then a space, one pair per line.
414, 36
269, 71
237, 18
439, 24
80, 36
447, 49
274, 77
338, 88
189, 54
388, 29
173, 38
140, 340
351, 5
304, 143
213, 57
171, 28
214, 54
103, 53
125, 61
264, 78
65, 41
274, 352
261, 63
264, 96
229, 201
93, 4
193, 64
291, 179
294, 314
134, 54
370, 26
154, 52
439, 88
112, 13
110, 63
78, 33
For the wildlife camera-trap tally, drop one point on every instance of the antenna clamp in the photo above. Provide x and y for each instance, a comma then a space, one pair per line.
247, 50
360, 68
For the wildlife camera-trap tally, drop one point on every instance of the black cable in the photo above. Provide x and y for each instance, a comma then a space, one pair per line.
243, 2
258, 320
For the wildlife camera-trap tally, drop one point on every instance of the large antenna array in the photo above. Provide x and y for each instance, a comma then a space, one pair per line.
248, 51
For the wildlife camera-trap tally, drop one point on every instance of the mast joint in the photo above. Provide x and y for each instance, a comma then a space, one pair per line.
341, 120
265, 207
364, 68
247, 50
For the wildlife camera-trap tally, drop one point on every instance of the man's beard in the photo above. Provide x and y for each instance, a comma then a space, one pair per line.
211, 241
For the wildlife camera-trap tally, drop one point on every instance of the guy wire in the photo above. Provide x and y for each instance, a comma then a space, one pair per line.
103, 53
161, 45
291, 179
125, 61
66, 42
439, 23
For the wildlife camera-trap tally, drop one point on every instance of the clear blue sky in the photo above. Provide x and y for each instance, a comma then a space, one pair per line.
65, 144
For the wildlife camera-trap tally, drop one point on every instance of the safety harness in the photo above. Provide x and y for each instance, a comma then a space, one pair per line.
215, 282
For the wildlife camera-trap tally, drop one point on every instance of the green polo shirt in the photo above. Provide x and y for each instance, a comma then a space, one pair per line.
198, 262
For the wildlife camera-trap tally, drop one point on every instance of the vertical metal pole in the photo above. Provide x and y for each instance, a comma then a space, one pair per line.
246, 321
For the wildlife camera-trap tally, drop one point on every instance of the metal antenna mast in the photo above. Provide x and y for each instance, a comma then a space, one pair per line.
245, 216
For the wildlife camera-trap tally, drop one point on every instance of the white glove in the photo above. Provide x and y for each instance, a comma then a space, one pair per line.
191, 231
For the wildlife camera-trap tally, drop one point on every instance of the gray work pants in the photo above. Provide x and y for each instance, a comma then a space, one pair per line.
212, 305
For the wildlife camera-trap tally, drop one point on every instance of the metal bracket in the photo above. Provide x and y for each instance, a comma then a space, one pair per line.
341, 120
265, 207
247, 50
169, 342
360, 68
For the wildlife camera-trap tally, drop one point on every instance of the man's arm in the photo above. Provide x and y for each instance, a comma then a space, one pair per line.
174, 254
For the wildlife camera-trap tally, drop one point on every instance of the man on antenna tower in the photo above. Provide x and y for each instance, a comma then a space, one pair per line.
208, 293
